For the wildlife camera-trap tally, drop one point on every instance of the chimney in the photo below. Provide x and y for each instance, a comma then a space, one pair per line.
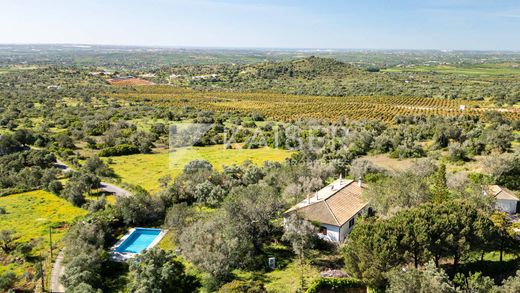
317, 195
308, 198
340, 179
359, 182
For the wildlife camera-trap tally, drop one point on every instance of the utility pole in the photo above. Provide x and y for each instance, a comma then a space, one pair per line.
50, 241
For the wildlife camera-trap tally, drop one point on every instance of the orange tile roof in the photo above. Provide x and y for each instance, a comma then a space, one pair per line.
500, 192
334, 205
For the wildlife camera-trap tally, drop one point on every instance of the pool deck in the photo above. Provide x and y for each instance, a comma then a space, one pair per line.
123, 256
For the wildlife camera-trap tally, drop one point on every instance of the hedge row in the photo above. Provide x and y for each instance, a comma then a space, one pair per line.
13, 190
119, 150
334, 284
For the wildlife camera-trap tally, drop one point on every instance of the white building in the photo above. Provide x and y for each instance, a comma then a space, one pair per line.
506, 200
334, 208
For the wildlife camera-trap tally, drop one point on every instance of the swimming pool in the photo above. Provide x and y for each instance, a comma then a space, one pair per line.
138, 240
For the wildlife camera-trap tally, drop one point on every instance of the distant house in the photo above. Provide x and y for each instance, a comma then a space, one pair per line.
506, 200
334, 208
147, 75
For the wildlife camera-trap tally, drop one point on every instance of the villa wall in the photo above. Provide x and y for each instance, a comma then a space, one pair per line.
507, 205
332, 232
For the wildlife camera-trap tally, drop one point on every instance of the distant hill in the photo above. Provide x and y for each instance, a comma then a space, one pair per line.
311, 67
330, 77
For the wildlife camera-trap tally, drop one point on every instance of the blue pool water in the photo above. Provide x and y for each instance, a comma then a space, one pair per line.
139, 240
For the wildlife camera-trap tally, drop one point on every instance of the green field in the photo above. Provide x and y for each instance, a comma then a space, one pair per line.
14, 69
30, 215
146, 169
473, 70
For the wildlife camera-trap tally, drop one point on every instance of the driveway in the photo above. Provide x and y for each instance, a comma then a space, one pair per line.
57, 268
116, 190
56, 273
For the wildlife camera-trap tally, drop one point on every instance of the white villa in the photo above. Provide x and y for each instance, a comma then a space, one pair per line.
335, 208
506, 200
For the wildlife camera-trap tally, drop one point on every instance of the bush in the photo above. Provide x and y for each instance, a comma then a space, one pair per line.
119, 150
238, 286
55, 187
407, 151
2, 211
196, 165
25, 249
326, 284
7, 280
456, 152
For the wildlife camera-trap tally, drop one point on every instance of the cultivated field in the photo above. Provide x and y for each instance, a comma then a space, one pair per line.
495, 70
146, 169
292, 107
128, 81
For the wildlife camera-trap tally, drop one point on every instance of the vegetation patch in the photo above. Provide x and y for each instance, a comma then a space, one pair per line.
336, 284
287, 107
146, 169
29, 217
128, 81
31, 214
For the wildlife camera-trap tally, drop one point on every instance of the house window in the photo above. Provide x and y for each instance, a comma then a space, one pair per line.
323, 230
351, 222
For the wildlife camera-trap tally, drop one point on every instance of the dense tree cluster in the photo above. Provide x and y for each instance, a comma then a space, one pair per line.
26, 170
160, 271
428, 232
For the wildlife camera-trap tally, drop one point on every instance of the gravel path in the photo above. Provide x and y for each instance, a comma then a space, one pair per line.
118, 191
57, 272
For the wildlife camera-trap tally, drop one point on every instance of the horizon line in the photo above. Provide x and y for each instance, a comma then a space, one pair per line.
257, 48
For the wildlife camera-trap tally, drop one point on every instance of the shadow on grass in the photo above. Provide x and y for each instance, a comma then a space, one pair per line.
283, 255
99, 193
115, 276
492, 268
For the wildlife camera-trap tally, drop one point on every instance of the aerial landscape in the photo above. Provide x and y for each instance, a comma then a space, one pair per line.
260, 146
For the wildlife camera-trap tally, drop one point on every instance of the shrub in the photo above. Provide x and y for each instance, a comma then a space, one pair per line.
238, 286
119, 150
248, 124
7, 279
195, 165
456, 152
55, 187
407, 151
25, 249
326, 284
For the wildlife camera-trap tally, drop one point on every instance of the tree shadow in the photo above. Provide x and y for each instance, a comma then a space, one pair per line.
497, 270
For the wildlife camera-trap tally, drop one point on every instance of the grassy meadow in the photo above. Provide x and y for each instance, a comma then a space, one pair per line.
30, 214
4, 70
146, 169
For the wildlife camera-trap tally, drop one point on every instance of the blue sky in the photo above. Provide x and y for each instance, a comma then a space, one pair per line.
375, 24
